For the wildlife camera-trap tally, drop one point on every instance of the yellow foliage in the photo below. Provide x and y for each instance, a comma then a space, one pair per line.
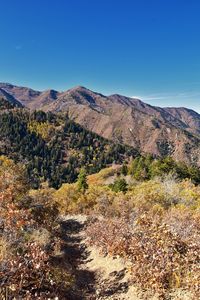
99, 198
167, 193
95, 198
67, 197
146, 194
153, 195
190, 194
5, 162
43, 129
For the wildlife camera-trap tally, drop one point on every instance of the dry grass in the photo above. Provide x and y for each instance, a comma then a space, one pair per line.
104, 176
4, 249
40, 236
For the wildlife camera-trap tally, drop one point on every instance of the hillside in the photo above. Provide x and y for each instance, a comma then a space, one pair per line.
160, 131
188, 116
9, 98
52, 147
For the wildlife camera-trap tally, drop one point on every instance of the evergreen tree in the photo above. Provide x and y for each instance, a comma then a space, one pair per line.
133, 166
120, 185
124, 169
82, 181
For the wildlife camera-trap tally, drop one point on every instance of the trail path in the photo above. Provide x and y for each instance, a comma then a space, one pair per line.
96, 276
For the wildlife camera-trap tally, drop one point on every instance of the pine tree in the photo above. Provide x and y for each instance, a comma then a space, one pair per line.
124, 169
82, 181
120, 185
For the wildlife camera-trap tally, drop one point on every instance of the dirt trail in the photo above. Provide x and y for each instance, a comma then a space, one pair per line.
97, 277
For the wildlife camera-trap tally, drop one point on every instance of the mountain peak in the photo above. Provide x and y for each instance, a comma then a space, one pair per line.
80, 88
50, 93
6, 85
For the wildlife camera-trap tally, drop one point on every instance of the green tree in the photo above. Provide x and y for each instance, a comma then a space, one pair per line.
82, 181
162, 167
124, 169
133, 165
120, 185
141, 171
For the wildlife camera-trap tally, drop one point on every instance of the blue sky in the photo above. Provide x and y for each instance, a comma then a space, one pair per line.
144, 48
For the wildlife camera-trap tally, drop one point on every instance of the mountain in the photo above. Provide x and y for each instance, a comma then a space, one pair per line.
150, 129
8, 97
188, 116
23, 94
28, 97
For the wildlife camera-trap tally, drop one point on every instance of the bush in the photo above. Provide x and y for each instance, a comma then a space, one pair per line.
161, 260
26, 229
119, 185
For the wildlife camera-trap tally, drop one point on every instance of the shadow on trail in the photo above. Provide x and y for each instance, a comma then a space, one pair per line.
74, 254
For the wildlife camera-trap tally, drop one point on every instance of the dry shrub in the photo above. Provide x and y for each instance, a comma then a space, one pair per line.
161, 259
142, 196
41, 236
104, 176
27, 224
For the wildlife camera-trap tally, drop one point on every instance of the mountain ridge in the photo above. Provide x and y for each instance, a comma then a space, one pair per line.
8, 86
151, 129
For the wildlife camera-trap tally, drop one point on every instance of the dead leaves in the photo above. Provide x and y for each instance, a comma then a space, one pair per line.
160, 259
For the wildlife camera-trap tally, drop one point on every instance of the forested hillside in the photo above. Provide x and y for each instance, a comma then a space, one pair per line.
54, 148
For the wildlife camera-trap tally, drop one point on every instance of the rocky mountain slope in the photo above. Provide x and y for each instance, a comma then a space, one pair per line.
11, 99
161, 131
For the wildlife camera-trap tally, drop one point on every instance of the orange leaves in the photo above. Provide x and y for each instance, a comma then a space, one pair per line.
25, 262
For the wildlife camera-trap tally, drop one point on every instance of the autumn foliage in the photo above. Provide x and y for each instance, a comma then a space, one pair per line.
153, 225
155, 228
26, 262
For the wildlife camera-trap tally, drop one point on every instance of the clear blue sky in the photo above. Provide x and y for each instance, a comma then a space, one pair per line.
144, 48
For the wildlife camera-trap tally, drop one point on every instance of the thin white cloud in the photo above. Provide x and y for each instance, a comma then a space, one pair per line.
167, 96
189, 99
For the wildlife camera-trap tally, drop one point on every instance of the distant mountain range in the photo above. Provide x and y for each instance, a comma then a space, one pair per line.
150, 129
